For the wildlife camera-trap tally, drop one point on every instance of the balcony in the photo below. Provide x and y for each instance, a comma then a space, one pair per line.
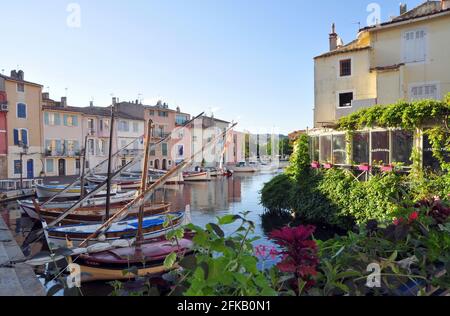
131, 152
159, 134
62, 153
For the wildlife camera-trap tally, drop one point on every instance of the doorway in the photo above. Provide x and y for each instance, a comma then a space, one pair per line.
61, 167
157, 164
164, 164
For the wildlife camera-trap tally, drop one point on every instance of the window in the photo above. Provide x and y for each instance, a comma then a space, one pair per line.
72, 148
102, 145
17, 167
91, 149
402, 146
152, 150
124, 126
20, 87
414, 46
339, 150
425, 91
345, 99
152, 112
164, 149
361, 148
135, 127
180, 151
180, 119
325, 148
345, 67
20, 136
380, 147
104, 125
70, 120
163, 114
21, 110
49, 165
91, 125
52, 119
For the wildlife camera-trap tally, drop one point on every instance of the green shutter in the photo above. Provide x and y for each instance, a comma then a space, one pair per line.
75, 120
46, 120
57, 119
65, 119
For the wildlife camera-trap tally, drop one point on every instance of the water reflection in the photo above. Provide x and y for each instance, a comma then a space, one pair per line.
207, 200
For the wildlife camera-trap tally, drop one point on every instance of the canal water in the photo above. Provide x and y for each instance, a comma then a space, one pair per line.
207, 201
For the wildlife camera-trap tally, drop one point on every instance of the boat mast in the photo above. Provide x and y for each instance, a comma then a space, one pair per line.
144, 181
108, 184
83, 160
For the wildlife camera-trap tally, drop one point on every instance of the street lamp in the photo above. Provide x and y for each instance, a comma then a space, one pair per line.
24, 152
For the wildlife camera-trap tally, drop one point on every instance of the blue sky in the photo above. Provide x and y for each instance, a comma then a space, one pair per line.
247, 60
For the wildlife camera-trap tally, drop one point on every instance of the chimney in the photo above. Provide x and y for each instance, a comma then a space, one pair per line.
114, 100
178, 109
45, 96
333, 38
20, 75
137, 101
403, 8
445, 4
91, 104
63, 102
13, 74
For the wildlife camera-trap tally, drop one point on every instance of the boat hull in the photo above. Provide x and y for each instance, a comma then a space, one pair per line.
127, 229
110, 265
200, 176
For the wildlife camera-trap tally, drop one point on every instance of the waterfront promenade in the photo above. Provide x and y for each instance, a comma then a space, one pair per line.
18, 279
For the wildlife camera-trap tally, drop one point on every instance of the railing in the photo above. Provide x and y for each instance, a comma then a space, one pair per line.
11, 185
62, 153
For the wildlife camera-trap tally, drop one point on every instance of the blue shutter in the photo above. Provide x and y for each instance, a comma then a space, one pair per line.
46, 120
65, 119
16, 136
24, 136
75, 120
21, 110
57, 119
58, 147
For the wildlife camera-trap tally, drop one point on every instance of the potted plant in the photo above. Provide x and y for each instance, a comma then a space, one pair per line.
327, 165
387, 168
315, 165
364, 167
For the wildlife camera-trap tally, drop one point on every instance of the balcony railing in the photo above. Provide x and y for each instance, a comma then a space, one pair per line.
62, 153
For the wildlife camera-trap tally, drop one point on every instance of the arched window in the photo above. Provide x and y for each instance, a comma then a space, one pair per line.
21, 110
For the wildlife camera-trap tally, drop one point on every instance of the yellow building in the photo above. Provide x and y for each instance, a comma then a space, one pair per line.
405, 58
24, 126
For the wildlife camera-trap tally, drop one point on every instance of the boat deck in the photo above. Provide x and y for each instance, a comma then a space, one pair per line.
20, 279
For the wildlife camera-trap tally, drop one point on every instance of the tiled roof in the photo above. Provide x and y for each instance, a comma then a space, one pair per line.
350, 47
426, 9
22, 81
92, 111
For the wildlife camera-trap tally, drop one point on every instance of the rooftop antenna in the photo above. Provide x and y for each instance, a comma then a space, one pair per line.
66, 91
359, 25
140, 98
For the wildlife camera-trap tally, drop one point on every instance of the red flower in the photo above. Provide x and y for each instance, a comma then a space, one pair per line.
413, 217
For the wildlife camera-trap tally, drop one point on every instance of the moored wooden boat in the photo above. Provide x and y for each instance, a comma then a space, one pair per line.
125, 182
153, 227
28, 206
147, 259
48, 191
91, 214
197, 176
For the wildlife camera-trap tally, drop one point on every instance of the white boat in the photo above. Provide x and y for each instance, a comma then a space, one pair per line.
125, 181
268, 167
155, 174
152, 227
48, 191
28, 207
214, 172
197, 176
243, 167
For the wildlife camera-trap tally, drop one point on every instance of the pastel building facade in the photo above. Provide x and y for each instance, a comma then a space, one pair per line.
405, 58
23, 126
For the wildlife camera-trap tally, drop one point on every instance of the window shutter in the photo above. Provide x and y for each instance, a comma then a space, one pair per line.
75, 120
57, 119
21, 110
16, 136
97, 146
65, 119
58, 146
24, 135
46, 121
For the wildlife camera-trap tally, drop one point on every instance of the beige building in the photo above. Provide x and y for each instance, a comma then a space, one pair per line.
405, 58
24, 126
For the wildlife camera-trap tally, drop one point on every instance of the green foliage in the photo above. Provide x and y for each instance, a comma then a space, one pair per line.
300, 162
276, 194
224, 265
406, 115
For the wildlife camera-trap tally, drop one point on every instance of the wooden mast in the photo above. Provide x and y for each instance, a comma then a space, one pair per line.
83, 161
108, 184
144, 181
